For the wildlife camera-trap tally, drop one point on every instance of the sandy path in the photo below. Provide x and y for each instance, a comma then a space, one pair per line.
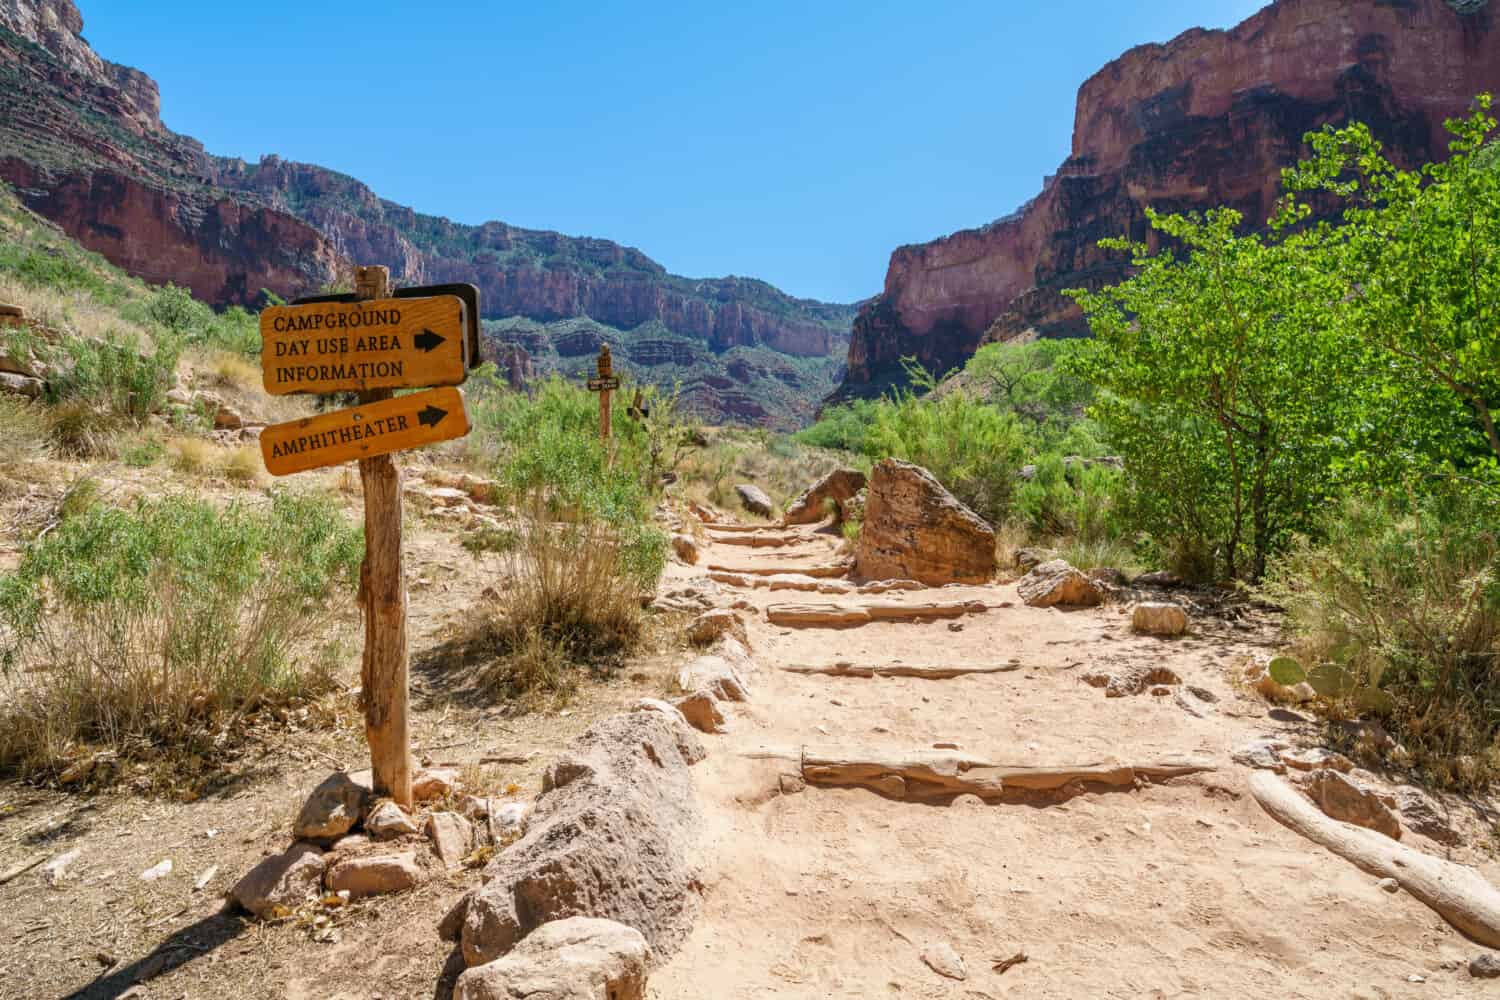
1181, 889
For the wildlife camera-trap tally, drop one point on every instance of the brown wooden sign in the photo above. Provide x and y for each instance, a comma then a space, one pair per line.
382, 343
364, 431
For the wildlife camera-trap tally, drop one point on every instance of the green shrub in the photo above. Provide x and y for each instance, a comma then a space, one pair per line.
195, 323
64, 268
1402, 597
584, 549
116, 375
141, 628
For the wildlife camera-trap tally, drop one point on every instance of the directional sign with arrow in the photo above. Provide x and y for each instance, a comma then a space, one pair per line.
387, 343
364, 431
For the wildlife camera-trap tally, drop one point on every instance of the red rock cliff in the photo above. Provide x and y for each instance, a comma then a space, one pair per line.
1207, 119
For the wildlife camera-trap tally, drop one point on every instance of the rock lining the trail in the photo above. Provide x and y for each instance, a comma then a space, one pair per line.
915, 529
754, 499
335, 807
1131, 680
609, 837
282, 882
579, 958
1161, 618
1056, 584
839, 486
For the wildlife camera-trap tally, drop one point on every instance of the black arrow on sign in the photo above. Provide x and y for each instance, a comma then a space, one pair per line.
427, 340
430, 416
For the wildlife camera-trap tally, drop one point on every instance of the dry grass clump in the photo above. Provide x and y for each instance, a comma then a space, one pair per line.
25, 432
570, 602
235, 371
245, 464
1396, 614
193, 455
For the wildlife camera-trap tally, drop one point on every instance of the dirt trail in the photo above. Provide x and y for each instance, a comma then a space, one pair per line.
1184, 888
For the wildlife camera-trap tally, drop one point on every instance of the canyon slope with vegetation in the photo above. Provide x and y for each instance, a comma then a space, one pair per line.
1207, 119
82, 141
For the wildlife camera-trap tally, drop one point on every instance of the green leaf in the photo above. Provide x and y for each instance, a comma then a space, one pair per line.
1331, 680
1375, 700
1286, 671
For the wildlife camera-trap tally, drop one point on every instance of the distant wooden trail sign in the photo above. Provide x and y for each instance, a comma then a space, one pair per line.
385, 343
364, 431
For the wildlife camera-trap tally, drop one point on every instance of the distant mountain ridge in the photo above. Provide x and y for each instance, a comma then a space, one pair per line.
1207, 119
82, 141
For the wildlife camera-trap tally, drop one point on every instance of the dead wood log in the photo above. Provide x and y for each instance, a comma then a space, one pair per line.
927, 672
936, 774
1457, 893
754, 541
825, 570
849, 615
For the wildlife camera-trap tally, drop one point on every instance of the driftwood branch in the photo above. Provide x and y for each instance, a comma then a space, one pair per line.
1455, 892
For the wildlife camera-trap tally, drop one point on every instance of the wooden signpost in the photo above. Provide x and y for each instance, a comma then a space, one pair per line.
357, 346
373, 343
364, 431
604, 383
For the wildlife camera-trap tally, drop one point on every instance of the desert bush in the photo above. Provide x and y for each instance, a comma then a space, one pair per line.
974, 449
1396, 612
195, 323
583, 549
141, 628
117, 375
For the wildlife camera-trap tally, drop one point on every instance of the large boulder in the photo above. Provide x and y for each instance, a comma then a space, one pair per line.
610, 837
754, 499
840, 486
914, 529
574, 959
1056, 584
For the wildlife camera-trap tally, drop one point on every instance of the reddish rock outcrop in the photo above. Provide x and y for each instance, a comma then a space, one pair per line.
914, 529
1209, 118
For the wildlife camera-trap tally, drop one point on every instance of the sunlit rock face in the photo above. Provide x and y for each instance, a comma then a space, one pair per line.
1207, 119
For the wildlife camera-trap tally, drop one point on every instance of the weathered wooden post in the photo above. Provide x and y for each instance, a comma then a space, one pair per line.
372, 344
604, 383
382, 596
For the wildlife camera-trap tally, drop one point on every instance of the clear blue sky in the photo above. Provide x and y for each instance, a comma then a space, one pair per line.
799, 142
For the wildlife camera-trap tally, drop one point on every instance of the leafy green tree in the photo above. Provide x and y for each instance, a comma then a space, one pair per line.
1225, 346
1415, 265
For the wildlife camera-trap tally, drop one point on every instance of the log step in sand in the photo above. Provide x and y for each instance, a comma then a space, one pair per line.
852, 615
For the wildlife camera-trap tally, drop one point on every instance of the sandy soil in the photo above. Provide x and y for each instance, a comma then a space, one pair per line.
1172, 890
1180, 889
